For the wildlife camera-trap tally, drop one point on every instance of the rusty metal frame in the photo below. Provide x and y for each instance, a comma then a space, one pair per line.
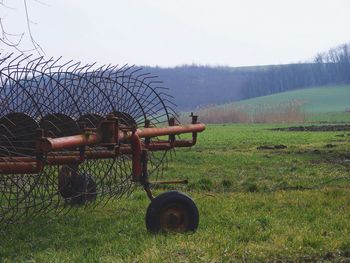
52, 151
95, 122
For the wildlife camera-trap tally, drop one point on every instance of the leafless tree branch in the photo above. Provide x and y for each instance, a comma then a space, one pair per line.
15, 40
35, 44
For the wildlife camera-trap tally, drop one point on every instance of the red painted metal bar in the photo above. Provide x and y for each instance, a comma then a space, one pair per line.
136, 149
154, 132
19, 168
158, 146
49, 144
29, 165
63, 157
133, 145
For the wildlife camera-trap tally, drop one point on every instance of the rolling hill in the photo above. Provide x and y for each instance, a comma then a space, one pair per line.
196, 86
313, 100
318, 104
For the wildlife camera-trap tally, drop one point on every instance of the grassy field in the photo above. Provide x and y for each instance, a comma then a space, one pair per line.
314, 100
328, 104
263, 195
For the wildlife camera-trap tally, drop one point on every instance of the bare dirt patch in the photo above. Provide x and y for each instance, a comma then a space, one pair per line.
316, 128
271, 147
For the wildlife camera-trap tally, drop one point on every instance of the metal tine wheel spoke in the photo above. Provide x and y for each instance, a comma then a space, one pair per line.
64, 99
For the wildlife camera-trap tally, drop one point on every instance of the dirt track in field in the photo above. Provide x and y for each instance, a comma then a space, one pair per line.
316, 128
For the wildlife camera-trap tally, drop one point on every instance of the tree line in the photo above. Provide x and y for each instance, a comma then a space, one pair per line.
196, 86
331, 67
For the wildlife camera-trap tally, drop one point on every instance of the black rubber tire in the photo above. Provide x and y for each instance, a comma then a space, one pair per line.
76, 188
84, 189
165, 202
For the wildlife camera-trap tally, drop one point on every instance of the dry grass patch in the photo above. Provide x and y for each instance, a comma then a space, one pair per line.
288, 112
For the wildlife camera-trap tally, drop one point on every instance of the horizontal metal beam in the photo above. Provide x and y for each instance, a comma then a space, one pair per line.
171, 130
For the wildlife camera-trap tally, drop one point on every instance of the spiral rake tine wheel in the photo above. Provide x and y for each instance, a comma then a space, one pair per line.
74, 134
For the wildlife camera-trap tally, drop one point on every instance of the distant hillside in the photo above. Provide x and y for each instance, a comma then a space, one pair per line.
312, 100
194, 86
197, 86
317, 104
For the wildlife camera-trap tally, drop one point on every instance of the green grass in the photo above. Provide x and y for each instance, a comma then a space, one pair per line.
330, 117
327, 104
315, 100
289, 204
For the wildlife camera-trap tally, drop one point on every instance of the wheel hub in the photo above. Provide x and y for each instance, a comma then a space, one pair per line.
174, 219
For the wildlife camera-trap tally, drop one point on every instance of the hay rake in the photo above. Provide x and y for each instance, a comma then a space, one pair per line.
71, 134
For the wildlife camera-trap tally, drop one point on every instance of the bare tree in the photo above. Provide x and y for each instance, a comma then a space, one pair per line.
23, 41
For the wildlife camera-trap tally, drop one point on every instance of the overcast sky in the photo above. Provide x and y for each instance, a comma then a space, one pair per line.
168, 33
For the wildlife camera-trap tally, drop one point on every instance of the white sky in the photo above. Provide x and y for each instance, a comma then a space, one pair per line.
168, 33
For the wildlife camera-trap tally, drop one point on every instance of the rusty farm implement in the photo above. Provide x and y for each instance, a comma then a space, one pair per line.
71, 134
